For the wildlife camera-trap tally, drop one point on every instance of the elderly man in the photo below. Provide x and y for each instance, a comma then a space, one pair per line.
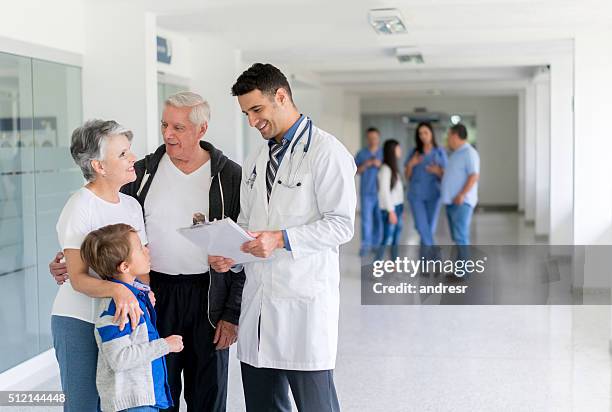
182, 177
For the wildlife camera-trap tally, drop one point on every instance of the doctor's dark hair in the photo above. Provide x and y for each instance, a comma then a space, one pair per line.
264, 77
417, 140
390, 159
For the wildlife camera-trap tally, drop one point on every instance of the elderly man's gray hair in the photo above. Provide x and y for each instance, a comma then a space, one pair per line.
200, 109
89, 143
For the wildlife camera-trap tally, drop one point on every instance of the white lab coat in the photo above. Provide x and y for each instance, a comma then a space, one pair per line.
293, 299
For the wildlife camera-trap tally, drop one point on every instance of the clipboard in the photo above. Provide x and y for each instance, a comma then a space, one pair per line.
221, 238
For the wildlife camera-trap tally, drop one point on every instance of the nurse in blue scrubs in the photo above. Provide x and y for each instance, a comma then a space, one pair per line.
424, 182
368, 161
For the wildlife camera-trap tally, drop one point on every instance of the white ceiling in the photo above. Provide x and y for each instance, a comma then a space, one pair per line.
465, 43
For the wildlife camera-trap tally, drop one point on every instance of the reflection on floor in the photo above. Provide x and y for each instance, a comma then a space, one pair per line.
464, 358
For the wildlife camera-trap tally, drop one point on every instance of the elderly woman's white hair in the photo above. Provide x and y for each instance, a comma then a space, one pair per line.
200, 109
89, 142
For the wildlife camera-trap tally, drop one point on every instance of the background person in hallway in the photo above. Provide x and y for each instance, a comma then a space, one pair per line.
183, 176
424, 183
298, 197
102, 150
391, 198
368, 160
459, 189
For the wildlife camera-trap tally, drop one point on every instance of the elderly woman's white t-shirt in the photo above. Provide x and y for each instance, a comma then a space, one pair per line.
83, 213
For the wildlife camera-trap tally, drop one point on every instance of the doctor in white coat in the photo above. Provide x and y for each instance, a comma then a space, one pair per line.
298, 200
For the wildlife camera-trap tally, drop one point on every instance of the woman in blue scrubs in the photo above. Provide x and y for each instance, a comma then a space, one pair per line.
424, 185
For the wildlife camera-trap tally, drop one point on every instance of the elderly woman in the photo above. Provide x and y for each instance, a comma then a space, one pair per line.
102, 150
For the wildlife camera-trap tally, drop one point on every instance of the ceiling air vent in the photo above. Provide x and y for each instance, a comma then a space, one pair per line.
409, 55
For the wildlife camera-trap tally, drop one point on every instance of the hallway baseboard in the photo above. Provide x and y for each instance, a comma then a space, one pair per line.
30, 373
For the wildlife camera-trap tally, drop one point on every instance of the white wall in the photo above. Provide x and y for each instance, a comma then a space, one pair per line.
57, 24
497, 125
592, 214
593, 145
542, 152
562, 150
216, 65
119, 68
530, 153
521, 152
351, 136
308, 101
333, 110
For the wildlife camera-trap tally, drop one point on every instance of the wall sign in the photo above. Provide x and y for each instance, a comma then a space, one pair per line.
164, 50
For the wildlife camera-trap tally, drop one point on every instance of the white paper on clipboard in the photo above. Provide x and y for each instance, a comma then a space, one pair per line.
221, 238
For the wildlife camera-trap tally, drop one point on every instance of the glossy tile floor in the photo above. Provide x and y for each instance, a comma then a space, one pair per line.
463, 358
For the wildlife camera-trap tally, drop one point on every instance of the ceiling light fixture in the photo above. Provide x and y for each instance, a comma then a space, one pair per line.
387, 21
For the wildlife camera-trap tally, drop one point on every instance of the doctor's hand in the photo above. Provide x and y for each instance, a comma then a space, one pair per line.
264, 243
220, 264
225, 334
58, 269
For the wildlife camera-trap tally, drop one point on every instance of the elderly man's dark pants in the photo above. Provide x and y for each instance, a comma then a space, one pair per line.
267, 390
181, 306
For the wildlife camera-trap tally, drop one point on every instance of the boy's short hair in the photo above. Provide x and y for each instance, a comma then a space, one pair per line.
106, 248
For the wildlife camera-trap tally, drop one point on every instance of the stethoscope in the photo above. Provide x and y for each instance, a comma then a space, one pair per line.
290, 182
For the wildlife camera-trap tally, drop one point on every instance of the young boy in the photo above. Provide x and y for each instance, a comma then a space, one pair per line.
131, 374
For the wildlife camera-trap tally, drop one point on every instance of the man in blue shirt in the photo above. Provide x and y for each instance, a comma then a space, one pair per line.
368, 160
459, 188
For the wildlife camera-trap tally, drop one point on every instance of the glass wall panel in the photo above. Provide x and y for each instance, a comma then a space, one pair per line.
40, 105
57, 112
18, 278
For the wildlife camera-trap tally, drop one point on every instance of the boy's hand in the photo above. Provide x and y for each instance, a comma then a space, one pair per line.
152, 297
175, 342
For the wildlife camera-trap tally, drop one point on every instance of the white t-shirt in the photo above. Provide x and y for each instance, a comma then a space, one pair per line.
172, 200
83, 213
389, 198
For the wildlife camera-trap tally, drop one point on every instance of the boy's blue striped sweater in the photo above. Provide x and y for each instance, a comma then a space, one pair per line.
131, 366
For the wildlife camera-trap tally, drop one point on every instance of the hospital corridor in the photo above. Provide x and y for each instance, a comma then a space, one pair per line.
394, 205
